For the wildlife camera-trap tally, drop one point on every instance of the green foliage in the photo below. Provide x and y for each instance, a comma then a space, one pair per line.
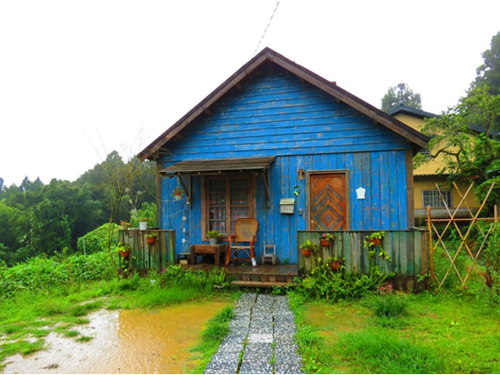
373, 243
391, 305
147, 210
48, 219
323, 283
488, 74
382, 352
467, 155
96, 240
401, 95
44, 274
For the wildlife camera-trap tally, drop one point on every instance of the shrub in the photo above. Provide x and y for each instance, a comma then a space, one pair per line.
323, 283
41, 273
96, 240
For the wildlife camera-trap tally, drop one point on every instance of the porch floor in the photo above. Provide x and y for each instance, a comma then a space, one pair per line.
262, 276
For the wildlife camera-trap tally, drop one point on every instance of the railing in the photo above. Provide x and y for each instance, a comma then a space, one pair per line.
408, 250
144, 256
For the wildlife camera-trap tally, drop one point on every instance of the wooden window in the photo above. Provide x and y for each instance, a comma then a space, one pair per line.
433, 198
227, 199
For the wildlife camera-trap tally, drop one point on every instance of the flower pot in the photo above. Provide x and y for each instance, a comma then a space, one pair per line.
325, 242
125, 254
306, 252
143, 225
213, 241
178, 197
335, 264
150, 240
375, 241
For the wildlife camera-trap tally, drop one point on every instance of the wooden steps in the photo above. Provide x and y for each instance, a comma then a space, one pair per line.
262, 276
259, 284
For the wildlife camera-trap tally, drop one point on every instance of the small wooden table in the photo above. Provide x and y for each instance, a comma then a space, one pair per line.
217, 251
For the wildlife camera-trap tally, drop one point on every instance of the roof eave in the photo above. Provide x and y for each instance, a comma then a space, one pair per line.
418, 139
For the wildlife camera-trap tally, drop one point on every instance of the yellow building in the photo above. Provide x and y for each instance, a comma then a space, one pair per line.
426, 176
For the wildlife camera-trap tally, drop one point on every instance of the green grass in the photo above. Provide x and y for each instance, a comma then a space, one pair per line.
217, 329
434, 334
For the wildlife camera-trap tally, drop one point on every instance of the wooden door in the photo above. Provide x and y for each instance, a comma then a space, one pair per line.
328, 201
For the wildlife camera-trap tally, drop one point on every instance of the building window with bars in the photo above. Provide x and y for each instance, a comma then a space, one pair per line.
433, 198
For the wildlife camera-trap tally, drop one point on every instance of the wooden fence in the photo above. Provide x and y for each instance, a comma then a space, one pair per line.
144, 256
408, 250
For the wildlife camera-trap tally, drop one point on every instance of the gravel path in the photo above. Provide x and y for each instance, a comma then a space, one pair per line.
260, 339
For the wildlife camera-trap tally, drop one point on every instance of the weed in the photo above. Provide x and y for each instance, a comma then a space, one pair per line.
84, 339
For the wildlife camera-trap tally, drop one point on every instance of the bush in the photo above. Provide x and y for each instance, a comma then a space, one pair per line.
41, 273
96, 240
323, 283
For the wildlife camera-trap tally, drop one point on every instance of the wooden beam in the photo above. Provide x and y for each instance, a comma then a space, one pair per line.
208, 111
239, 86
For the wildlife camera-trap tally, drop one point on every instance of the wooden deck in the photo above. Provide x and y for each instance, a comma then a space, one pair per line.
262, 276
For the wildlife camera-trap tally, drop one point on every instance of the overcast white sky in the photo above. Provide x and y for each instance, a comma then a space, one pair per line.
79, 79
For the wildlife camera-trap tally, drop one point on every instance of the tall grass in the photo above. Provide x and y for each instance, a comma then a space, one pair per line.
378, 351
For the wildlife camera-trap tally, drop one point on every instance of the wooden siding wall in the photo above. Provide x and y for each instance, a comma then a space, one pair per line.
408, 251
278, 115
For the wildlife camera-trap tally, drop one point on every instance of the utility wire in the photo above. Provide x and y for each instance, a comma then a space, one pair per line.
267, 27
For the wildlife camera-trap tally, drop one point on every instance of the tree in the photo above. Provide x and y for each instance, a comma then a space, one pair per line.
488, 74
401, 95
468, 156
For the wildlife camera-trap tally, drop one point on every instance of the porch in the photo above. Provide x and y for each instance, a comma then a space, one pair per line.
262, 276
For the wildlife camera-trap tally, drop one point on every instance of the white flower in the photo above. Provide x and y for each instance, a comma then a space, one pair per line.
183, 241
183, 230
184, 218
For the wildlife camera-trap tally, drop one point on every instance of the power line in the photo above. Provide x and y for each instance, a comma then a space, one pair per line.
264, 34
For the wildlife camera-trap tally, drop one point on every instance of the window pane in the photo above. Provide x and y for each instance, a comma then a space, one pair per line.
239, 212
433, 198
217, 213
217, 185
239, 184
217, 199
239, 199
219, 226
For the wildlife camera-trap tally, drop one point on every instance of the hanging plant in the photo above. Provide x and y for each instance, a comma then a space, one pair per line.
177, 193
373, 243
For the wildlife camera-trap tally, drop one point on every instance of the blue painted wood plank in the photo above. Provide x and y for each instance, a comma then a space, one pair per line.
375, 190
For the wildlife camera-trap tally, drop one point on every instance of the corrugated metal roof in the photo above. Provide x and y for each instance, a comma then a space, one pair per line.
219, 165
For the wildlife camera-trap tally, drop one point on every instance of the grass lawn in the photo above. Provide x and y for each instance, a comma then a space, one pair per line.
443, 334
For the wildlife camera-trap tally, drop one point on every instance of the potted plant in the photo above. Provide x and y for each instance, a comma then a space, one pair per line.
326, 238
334, 262
177, 193
213, 237
151, 238
123, 250
125, 224
373, 244
307, 247
143, 223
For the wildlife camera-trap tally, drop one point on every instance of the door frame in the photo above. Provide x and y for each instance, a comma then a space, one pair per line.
346, 173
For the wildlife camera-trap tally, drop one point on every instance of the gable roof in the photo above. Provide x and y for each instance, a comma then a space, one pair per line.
410, 111
267, 54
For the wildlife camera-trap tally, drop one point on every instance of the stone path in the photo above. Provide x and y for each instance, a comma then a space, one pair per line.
260, 339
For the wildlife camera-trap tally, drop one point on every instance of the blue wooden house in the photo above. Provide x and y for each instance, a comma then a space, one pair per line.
281, 144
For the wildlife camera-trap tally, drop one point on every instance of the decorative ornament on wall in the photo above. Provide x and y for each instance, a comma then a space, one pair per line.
360, 192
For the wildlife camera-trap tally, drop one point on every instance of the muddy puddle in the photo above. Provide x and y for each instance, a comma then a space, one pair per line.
126, 341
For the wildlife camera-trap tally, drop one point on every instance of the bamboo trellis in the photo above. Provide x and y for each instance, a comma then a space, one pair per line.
474, 220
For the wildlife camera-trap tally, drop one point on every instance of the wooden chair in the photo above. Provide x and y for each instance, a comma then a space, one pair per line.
243, 240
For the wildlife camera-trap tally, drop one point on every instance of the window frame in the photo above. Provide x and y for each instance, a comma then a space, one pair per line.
436, 191
252, 201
